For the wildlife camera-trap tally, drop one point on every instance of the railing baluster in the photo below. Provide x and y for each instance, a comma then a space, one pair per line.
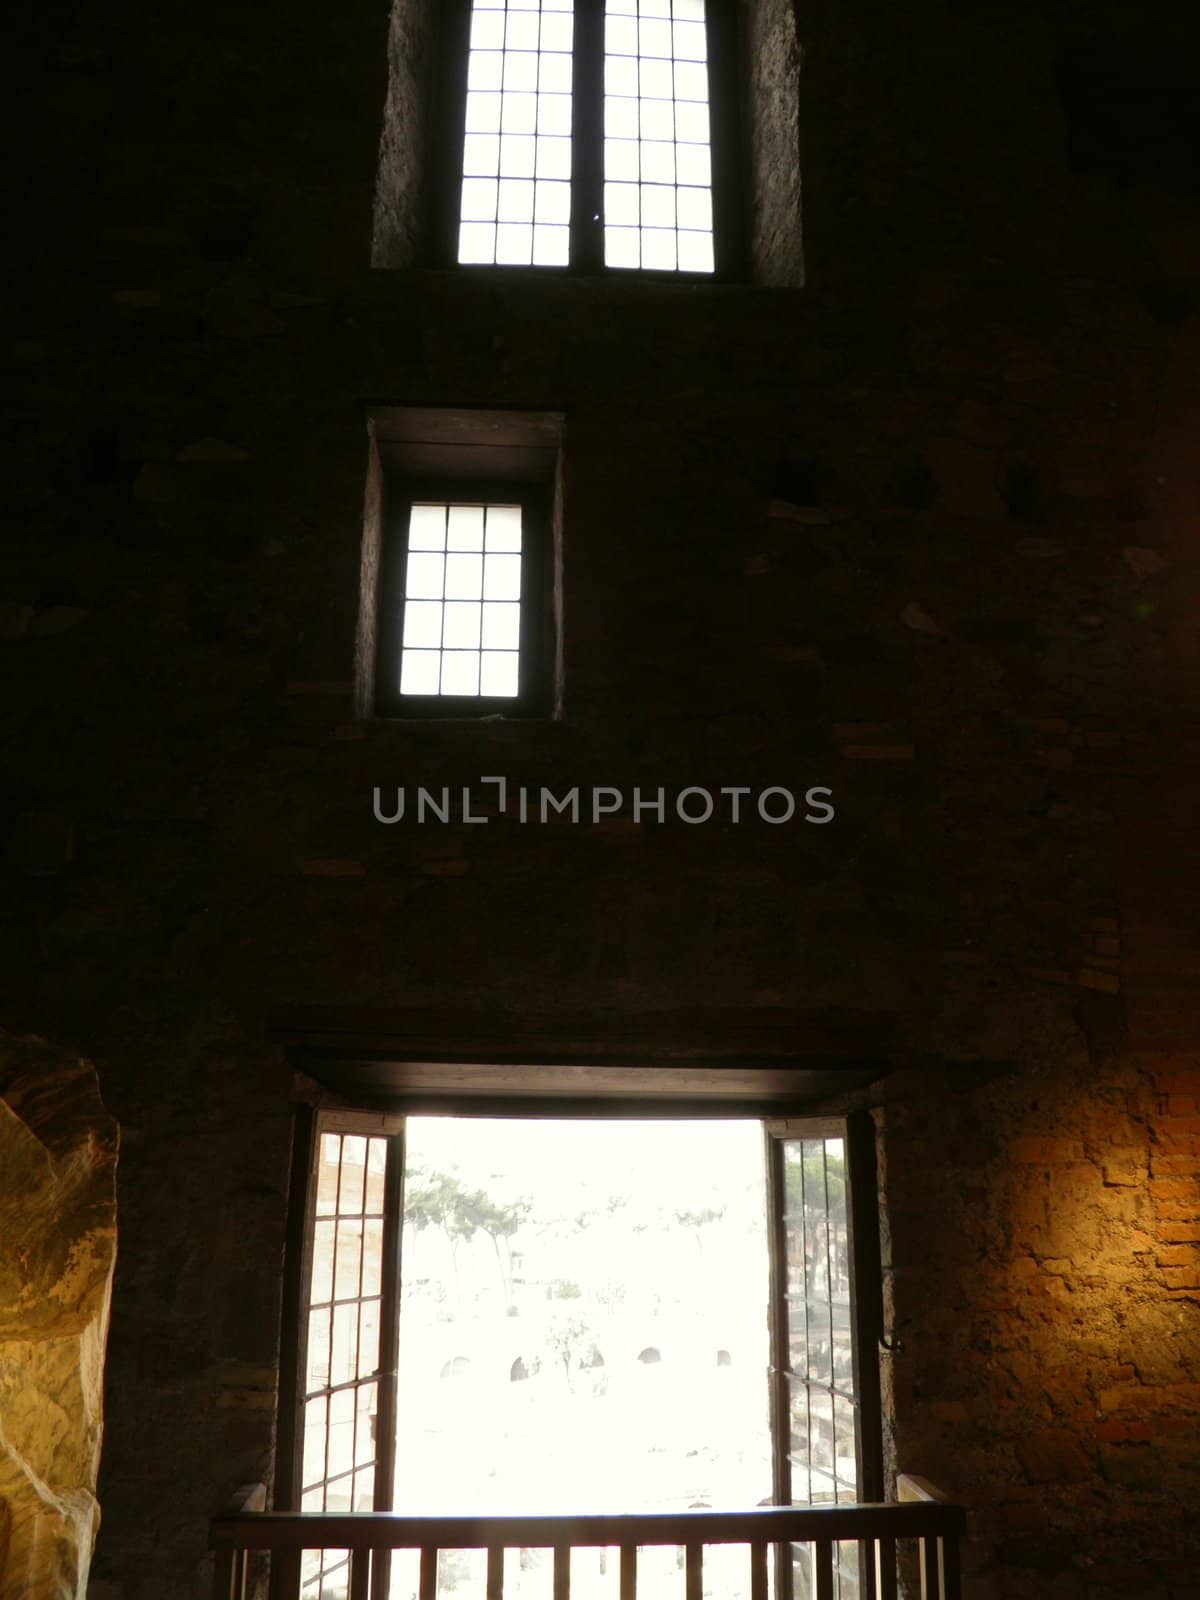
429, 1566
951, 1574
223, 1575
495, 1572
229, 1577
931, 1568
360, 1575
885, 1569
286, 1567
822, 1569
562, 1572
629, 1572
694, 1557
758, 1570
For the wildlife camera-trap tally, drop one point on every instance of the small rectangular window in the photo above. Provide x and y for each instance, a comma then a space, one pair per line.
461, 633
460, 591
461, 602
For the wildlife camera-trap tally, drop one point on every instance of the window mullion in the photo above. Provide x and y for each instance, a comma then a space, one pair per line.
587, 137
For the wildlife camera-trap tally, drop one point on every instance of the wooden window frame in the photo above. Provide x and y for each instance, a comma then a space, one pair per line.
856, 1129
730, 164
535, 650
461, 456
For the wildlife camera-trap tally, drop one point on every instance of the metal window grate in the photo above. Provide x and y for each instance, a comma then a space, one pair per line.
515, 206
462, 601
658, 203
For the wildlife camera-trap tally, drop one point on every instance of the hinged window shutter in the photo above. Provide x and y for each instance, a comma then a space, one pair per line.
348, 1329
825, 1392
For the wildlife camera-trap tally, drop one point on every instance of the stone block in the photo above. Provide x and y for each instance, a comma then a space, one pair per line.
58, 1152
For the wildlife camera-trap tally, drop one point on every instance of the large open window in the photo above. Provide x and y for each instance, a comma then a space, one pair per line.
527, 1314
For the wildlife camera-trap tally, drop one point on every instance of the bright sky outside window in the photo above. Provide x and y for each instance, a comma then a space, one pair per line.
526, 1379
658, 211
462, 601
516, 186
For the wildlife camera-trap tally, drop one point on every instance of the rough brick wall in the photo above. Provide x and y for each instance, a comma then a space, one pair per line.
1063, 1294
923, 532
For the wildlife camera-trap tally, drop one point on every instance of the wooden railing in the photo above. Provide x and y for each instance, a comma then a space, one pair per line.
922, 1515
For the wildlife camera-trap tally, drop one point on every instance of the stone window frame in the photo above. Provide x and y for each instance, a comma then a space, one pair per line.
756, 159
477, 456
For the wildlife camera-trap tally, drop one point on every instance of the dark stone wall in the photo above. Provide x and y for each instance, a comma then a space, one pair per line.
923, 532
